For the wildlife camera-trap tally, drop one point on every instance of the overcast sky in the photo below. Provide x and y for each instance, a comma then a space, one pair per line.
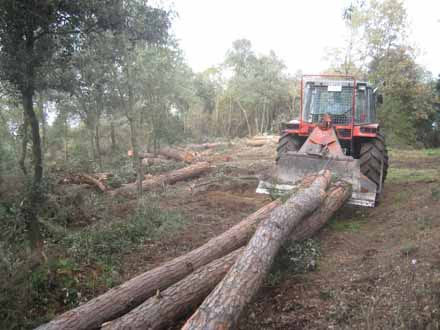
298, 31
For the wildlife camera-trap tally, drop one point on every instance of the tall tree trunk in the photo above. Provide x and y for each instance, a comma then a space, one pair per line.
98, 145
35, 195
91, 132
112, 136
40, 105
137, 160
223, 306
245, 117
24, 144
66, 140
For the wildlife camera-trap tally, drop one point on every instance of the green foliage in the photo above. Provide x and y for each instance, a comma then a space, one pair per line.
108, 241
377, 49
408, 249
294, 258
407, 175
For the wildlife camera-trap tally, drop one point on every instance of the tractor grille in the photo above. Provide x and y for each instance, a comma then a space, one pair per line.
336, 119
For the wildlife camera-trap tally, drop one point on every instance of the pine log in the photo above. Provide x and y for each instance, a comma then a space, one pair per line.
205, 146
180, 156
180, 299
222, 308
166, 179
132, 293
155, 161
85, 178
255, 143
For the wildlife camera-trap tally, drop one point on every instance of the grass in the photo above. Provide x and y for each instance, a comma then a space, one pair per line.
413, 154
407, 175
343, 224
108, 241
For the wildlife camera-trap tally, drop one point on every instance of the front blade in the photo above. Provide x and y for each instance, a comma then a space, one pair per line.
293, 167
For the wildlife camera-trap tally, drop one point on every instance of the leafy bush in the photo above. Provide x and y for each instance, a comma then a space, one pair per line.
107, 240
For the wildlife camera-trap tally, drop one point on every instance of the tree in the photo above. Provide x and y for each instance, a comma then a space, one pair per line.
259, 87
36, 35
377, 49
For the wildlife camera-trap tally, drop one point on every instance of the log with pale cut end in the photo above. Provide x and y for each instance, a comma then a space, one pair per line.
205, 146
92, 181
123, 298
172, 177
255, 143
180, 299
183, 297
181, 156
222, 308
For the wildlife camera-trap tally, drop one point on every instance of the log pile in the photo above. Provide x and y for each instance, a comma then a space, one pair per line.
172, 177
222, 275
261, 140
96, 180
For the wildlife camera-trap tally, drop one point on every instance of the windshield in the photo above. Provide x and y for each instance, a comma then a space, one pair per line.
333, 100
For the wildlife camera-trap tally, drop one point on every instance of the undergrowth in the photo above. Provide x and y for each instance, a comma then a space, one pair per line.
81, 262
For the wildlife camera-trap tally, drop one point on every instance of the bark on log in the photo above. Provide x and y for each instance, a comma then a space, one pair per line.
255, 143
156, 161
180, 156
130, 294
180, 299
183, 297
85, 178
205, 146
222, 308
166, 179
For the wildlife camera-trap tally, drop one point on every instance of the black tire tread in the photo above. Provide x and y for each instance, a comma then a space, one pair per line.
287, 142
371, 155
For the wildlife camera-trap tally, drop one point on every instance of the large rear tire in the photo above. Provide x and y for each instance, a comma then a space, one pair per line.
288, 142
372, 154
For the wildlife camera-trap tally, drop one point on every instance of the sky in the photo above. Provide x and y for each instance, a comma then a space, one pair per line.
299, 31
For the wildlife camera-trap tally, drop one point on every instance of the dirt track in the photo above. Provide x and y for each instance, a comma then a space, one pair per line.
379, 268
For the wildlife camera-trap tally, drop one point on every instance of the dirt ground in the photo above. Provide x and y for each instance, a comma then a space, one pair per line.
379, 268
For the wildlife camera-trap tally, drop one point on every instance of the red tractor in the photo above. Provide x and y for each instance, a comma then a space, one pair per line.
337, 129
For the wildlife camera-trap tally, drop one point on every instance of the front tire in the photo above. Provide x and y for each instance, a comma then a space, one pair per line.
372, 154
288, 142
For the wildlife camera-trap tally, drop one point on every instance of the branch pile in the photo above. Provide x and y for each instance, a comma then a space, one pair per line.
159, 297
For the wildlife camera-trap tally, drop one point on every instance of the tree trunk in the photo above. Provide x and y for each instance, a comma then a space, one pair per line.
98, 145
223, 306
183, 297
43, 122
30, 210
137, 160
180, 299
246, 118
121, 299
113, 137
24, 144
166, 179
92, 143
66, 140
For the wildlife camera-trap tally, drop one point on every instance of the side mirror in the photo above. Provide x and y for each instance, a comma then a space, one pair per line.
296, 105
379, 98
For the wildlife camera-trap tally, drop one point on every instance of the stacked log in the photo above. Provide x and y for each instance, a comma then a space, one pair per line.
175, 289
223, 306
180, 299
166, 179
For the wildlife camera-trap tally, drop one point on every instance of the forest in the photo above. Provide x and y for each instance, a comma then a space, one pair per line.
97, 95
